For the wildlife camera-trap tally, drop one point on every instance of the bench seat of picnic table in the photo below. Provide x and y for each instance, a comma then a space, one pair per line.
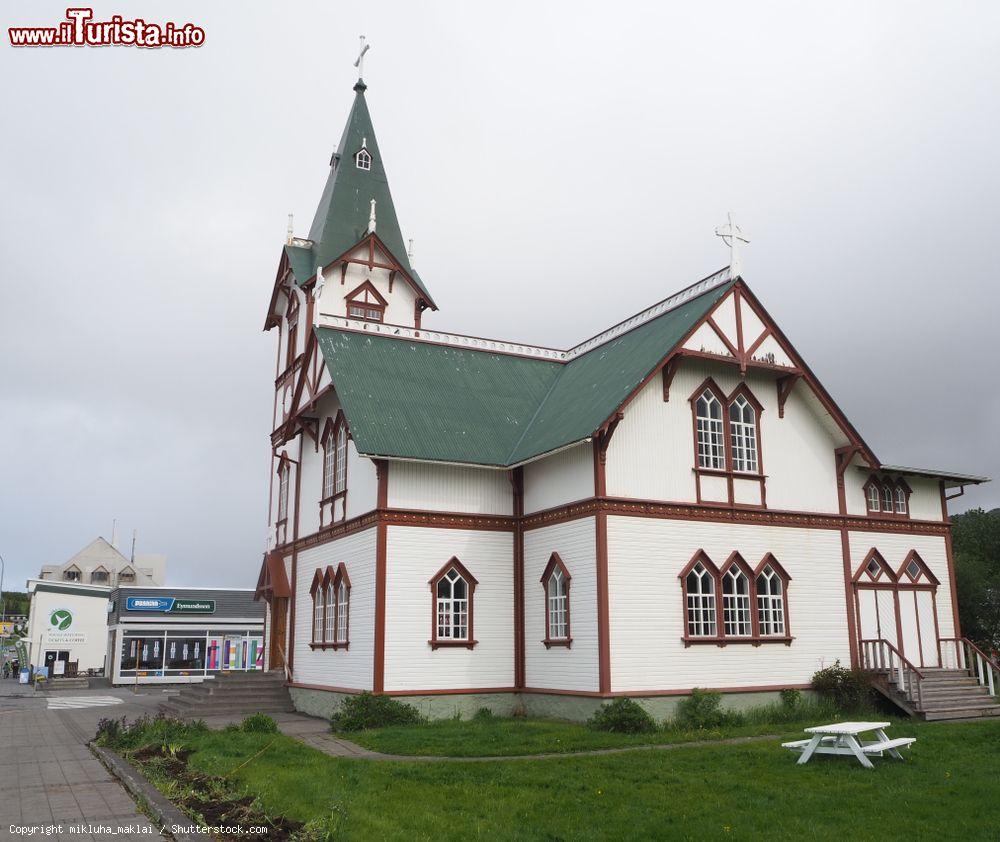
885, 745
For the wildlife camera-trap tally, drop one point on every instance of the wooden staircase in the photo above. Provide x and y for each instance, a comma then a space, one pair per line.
231, 695
966, 690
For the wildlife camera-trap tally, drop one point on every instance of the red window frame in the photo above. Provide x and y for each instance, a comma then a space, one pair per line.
720, 638
556, 563
469, 642
368, 298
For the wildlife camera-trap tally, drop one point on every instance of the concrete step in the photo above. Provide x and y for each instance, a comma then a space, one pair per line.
79, 683
961, 712
223, 710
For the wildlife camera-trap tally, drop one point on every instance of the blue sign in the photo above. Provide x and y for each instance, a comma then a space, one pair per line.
149, 603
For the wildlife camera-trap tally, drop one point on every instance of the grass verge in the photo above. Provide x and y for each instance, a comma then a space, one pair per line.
711, 791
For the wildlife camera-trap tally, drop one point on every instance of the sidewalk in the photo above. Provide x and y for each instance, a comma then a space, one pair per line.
48, 775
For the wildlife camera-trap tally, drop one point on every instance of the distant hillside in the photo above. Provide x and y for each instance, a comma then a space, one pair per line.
15, 602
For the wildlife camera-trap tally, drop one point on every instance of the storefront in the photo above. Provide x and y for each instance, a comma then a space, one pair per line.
178, 635
66, 628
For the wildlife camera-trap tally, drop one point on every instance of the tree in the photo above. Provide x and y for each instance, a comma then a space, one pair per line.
976, 542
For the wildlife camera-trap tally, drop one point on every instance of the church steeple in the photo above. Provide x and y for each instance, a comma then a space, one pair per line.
357, 176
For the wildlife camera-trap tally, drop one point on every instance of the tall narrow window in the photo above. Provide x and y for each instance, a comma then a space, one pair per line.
736, 602
770, 603
340, 458
452, 590
329, 462
453, 607
283, 471
900, 500
874, 498
743, 435
887, 498
330, 607
317, 619
711, 445
343, 592
701, 619
556, 580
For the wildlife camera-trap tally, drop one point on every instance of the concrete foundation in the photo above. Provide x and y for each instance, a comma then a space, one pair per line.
323, 703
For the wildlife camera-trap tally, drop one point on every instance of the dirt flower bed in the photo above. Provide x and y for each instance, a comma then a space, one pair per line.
156, 748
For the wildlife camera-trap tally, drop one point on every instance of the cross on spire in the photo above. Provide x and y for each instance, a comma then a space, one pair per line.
732, 235
359, 62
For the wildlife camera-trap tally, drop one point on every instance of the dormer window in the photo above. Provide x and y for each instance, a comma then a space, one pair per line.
100, 576
363, 159
126, 575
887, 498
366, 303
72, 574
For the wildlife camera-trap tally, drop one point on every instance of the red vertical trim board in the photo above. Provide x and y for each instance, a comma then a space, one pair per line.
378, 671
517, 480
603, 611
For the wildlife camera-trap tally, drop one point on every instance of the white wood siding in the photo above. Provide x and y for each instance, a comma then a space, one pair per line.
894, 548
560, 668
398, 311
564, 477
651, 455
362, 483
449, 488
414, 555
925, 501
353, 667
645, 557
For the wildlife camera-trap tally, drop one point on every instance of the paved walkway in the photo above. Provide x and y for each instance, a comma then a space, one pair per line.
48, 777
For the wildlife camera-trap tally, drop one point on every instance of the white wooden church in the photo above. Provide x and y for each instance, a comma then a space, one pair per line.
676, 502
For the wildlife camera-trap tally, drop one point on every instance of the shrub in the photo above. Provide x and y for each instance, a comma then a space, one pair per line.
109, 732
848, 689
483, 715
703, 709
790, 698
367, 710
259, 723
623, 716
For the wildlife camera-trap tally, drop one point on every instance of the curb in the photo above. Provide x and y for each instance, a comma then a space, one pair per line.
163, 811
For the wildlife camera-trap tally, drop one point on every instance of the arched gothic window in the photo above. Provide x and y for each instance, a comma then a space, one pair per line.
711, 444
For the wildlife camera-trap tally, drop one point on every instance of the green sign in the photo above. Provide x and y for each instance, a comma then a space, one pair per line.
193, 606
61, 619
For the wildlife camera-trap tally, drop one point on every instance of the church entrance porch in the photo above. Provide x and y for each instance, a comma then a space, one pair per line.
899, 607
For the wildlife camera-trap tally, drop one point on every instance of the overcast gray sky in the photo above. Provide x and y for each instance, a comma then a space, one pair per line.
577, 155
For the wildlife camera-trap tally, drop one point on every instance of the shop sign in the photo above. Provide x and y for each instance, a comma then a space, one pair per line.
169, 605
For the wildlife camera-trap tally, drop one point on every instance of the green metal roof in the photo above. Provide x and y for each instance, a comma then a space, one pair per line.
423, 401
341, 218
302, 262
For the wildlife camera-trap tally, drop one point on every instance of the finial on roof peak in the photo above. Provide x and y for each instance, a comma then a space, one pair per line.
359, 63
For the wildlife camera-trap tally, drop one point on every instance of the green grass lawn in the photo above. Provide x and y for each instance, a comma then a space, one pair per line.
943, 790
512, 737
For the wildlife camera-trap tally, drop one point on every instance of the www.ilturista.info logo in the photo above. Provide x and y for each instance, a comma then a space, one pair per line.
81, 30
61, 619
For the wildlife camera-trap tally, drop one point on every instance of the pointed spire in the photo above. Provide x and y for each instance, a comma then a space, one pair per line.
355, 180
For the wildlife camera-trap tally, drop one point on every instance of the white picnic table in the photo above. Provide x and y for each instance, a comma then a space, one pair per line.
843, 738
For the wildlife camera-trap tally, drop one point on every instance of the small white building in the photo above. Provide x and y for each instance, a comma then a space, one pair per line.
101, 563
677, 502
67, 625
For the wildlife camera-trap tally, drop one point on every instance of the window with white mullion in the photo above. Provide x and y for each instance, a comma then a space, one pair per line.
342, 597
711, 444
317, 629
770, 603
900, 500
340, 460
283, 491
736, 603
557, 605
452, 607
329, 458
873, 498
887, 495
743, 435
701, 618
328, 628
